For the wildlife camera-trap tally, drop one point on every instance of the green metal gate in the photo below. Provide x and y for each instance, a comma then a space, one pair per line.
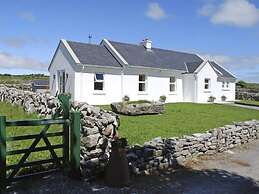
70, 134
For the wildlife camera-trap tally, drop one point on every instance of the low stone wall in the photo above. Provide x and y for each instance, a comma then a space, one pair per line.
247, 94
163, 153
98, 126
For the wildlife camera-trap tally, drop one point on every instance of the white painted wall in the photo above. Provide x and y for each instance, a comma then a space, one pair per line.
114, 84
215, 90
84, 90
60, 62
156, 87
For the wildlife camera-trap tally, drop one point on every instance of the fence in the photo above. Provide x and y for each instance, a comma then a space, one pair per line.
70, 134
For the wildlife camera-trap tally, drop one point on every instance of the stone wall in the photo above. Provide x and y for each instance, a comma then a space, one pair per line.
98, 126
162, 153
247, 94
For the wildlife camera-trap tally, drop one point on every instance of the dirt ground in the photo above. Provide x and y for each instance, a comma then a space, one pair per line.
231, 172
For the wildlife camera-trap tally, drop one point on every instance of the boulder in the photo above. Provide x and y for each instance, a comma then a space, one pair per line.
138, 108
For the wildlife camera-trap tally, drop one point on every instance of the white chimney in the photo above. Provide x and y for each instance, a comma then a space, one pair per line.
147, 43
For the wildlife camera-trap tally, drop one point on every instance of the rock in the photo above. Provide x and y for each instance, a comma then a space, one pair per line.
138, 109
90, 140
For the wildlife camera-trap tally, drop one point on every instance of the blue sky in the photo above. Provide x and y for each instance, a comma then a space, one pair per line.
223, 30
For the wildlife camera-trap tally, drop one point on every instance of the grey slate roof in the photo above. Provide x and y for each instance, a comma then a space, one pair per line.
192, 66
224, 73
137, 55
93, 54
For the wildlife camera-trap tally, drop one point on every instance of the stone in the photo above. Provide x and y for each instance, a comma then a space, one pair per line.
90, 140
138, 108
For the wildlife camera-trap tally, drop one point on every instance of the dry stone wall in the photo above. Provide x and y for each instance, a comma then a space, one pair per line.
161, 153
98, 126
247, 94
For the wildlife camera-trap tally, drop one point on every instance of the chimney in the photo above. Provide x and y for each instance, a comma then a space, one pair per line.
147, 43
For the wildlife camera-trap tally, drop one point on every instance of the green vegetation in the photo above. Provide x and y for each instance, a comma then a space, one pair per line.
243, 84
181, 119
249, 102
20, 79
17, 113
137, 102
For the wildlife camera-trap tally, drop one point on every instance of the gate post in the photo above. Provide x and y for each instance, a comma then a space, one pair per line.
75, 144
2, 153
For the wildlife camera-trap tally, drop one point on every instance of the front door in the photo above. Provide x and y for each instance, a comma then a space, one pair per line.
61, 82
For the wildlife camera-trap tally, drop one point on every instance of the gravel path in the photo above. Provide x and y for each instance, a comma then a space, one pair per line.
232, 172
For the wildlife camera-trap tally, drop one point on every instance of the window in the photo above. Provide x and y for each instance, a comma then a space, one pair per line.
227, 84
142, 83
98, 81
223, 84
172, 84
206, 83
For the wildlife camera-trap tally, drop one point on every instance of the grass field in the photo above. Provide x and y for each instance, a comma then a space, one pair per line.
20, 79
181, 119
17, 113
249, 102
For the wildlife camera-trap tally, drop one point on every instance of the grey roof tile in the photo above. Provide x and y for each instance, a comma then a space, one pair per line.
93, 54
223, 72
137, 55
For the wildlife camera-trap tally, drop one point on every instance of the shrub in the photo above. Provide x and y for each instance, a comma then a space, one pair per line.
126, 98
211, 99
223, 98
162, 98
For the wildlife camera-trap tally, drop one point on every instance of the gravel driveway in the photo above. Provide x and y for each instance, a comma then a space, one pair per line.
232, 172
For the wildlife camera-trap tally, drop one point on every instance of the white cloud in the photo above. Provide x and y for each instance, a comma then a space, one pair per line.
21, 41
27, 16
234, 63
245, 68
10, 61
241, 13
155, 12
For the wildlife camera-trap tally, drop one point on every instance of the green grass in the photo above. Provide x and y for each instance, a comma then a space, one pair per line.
181, 119
20, 79
250, 102
17, 113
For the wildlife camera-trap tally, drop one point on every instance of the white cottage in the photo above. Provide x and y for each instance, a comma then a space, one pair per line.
105, 73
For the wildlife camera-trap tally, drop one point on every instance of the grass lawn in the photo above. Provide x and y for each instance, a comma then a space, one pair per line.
249, 102
181, 119
17, 113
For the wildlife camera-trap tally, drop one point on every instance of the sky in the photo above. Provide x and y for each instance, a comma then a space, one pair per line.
226, 31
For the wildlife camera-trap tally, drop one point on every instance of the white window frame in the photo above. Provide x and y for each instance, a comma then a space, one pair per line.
142, 82
98, 81
209, 83
172, 83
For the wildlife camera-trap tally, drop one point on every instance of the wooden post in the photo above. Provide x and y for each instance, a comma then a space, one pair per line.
65, 104
2, 153
75, 144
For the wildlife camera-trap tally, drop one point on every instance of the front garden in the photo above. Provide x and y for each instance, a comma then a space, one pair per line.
181, 119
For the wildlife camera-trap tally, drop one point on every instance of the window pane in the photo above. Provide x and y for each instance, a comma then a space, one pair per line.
207, 80
206, 86
172, 79
142, 78
99, 76
141, 87
172, 88
98, 85
223, 84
